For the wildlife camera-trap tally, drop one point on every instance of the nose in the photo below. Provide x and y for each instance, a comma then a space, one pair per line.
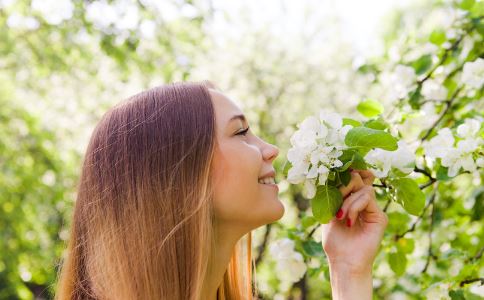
270, 152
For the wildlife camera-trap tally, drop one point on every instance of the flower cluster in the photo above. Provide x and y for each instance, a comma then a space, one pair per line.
316, 147
290, 264
460, 155
383, 161
399, 82
473, 73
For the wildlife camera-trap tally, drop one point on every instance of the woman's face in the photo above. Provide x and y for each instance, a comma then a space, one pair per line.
240, 160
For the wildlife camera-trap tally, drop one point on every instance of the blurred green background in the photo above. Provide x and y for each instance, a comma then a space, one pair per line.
63, 63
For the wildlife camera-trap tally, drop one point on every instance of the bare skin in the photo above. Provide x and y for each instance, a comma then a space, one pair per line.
352, 250
242, 204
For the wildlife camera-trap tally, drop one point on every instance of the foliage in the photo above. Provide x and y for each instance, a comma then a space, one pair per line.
59, 73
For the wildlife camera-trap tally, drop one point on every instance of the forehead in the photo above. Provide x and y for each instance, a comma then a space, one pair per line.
225, 107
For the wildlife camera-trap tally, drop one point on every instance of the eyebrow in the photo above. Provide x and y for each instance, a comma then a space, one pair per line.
238, 117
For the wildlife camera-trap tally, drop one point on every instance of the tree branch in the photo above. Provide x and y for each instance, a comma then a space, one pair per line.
467, 281
430, 255
448, 105
263, 245
412, 228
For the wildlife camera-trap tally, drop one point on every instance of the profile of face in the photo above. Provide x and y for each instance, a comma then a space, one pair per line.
240, 160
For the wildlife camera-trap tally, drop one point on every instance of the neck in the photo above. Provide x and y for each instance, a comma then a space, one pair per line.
226, 237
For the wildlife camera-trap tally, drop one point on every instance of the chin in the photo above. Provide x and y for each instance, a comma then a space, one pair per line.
277, 213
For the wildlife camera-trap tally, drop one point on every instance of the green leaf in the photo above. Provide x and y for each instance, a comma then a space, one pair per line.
312, 248
415, 96
370, 138
409, 195
352, 122
378, 124
442, 174
456, 295
345, 177
437, 37
406, 245
370, 108
422, 64
307, 221
467, 4
358, 162
398, 262
326, 202
286, 167
398, 221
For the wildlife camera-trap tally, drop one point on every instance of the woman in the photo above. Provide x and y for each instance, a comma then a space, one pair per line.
172, 181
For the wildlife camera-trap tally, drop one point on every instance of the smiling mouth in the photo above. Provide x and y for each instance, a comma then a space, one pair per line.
267, 181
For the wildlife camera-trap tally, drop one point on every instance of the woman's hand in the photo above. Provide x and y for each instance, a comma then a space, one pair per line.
352, 239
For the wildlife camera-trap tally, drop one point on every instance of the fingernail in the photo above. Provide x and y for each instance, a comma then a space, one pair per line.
348, 222
339, 214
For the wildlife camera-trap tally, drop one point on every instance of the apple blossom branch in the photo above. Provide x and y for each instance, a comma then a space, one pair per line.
448, 104
412, 228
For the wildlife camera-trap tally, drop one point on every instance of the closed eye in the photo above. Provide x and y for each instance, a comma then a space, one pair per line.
243, 132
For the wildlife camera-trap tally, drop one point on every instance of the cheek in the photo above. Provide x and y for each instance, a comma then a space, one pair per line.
236, 171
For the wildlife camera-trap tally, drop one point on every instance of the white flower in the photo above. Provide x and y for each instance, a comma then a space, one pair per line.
473, 73
101, 13
54, 11
380, 161
309, 190
433, 90
402, 159
123, 15
16, 20
455, 157
480, 162
400, 82
290, 264
437, 291
316, 147
439, 145
469, 128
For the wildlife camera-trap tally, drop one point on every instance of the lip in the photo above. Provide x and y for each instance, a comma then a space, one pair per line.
271, 173
271, 185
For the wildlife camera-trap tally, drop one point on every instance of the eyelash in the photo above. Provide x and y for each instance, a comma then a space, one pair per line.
243, 132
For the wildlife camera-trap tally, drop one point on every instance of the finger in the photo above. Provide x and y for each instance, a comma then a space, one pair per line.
348, 202
364, 204
354, 185
367, 176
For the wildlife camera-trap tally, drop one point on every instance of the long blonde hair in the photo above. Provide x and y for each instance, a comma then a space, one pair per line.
142, 222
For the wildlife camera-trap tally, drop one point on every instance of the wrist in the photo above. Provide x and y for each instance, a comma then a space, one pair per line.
350, 269
350, 283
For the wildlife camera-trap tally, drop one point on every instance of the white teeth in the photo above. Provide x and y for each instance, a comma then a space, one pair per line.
267, 180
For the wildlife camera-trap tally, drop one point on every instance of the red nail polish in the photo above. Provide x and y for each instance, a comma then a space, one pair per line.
348, 222
339, 214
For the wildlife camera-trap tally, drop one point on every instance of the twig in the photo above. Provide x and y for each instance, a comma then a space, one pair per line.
443, 58
418, 170
310, 234
412, 228
448, 105
263, 245
467, 281
379, 185
430, 255
387, 205
427, 184
430, 182
475, 257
